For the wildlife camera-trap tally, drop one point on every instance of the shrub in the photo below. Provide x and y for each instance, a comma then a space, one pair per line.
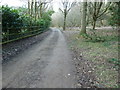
16, 22
11, 19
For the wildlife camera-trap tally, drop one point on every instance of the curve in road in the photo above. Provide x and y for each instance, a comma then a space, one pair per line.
47, 64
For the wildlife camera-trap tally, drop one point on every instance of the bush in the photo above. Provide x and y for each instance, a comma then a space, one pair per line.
11, 20
16, 22
26, 20
45, 21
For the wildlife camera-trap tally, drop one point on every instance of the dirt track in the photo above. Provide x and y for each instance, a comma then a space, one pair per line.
47, 64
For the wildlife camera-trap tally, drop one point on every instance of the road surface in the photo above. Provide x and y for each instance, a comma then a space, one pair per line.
47, 64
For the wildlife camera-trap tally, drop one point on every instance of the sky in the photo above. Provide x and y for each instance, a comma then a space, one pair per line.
15, 3
20, 3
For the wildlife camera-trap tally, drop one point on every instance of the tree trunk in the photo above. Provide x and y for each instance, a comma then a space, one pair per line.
64, 25
29, 7
83, 21
94, 24
101, 21
41, 10
29, 11
32, 3
35, 10
87, 22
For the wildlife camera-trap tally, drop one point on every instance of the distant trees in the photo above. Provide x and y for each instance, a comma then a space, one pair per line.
98, 14
65, 8
74, 17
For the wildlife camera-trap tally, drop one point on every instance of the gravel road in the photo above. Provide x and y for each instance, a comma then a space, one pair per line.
47, 64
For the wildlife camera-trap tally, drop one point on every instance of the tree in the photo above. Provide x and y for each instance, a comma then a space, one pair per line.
115, 15
29, 7
96, 10
74, 17
66, 7
36, 9
83, 21
42, 6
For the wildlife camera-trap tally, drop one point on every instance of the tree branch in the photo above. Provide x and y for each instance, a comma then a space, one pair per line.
104, 11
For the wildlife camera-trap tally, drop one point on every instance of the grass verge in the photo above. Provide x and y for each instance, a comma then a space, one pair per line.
102, 55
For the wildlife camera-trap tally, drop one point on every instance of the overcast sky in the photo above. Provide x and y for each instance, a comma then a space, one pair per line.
12, 3
20, 3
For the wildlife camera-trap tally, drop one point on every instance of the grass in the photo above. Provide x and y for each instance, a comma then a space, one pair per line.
104, 55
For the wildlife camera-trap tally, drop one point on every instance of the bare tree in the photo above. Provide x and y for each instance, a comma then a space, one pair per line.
42, 6
96, 10
66, 7
37, 7
74, 17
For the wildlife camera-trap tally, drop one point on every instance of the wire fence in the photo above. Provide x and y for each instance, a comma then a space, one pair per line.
25, 32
